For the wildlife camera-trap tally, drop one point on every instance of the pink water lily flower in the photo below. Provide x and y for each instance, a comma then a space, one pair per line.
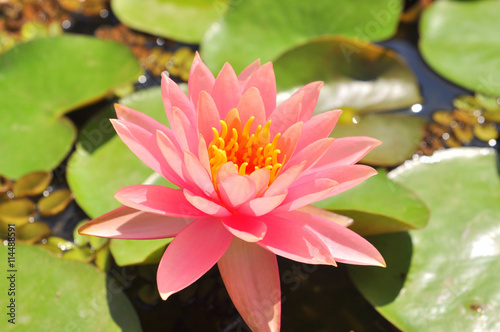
247, 171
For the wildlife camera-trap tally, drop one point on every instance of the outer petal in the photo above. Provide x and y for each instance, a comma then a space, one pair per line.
140, 119
345, 245
173, 96
262, 205
306, 193
347, 176
319, 126
157, 199
172, 155
205, 205
249, 229
192, 253
347, 151
143, 144
325, 214
291, 240
252, 280
311, 154
200, 79
128, 223
264, 80
186, 136
226, 92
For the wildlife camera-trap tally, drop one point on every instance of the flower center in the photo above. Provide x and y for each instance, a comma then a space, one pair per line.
248, 152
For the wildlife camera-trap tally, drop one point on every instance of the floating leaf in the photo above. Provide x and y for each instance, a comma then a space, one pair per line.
63, 295
55, 203
79, 239
357, 74
61, 243
45, 78
103, 258
83, 254
182, 20
400, 136
97, 243
379, 205
264, 29
102, 163
32, 184
132, 252
33, 232
17, 211
448, 281
460, 41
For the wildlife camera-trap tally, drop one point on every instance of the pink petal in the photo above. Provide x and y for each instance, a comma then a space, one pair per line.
284, 180
247, 73
186, 136
261, 178
311, 95
347, 177
252, 279
319, 126
291, 240
143, 144
234, 189
132, 224
306, 193
171, 154
345, 245
200, 79
263, 79
140, 119
157, 199
261, 205
203, 154
208, 116
347, 151
287, 143
249, 229
192, 253
199, 174
226, 169
173, 96
251, 105
325, 214
286, 114
311, 153
205, 205
226, 92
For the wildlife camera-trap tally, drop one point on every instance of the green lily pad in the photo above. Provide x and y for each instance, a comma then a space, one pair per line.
182, 20
378, 206
133, 252
448, 282
264, 29
63, 295
400, 135
357, 74
102, 163
45, 78
460, 41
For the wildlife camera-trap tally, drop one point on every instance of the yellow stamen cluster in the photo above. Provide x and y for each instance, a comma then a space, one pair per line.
247, 152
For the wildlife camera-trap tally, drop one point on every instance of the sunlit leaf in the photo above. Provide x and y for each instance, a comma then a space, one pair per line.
182, 20
264, 29
45, 78
132, 252
444, 277
61, 295
460, 40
